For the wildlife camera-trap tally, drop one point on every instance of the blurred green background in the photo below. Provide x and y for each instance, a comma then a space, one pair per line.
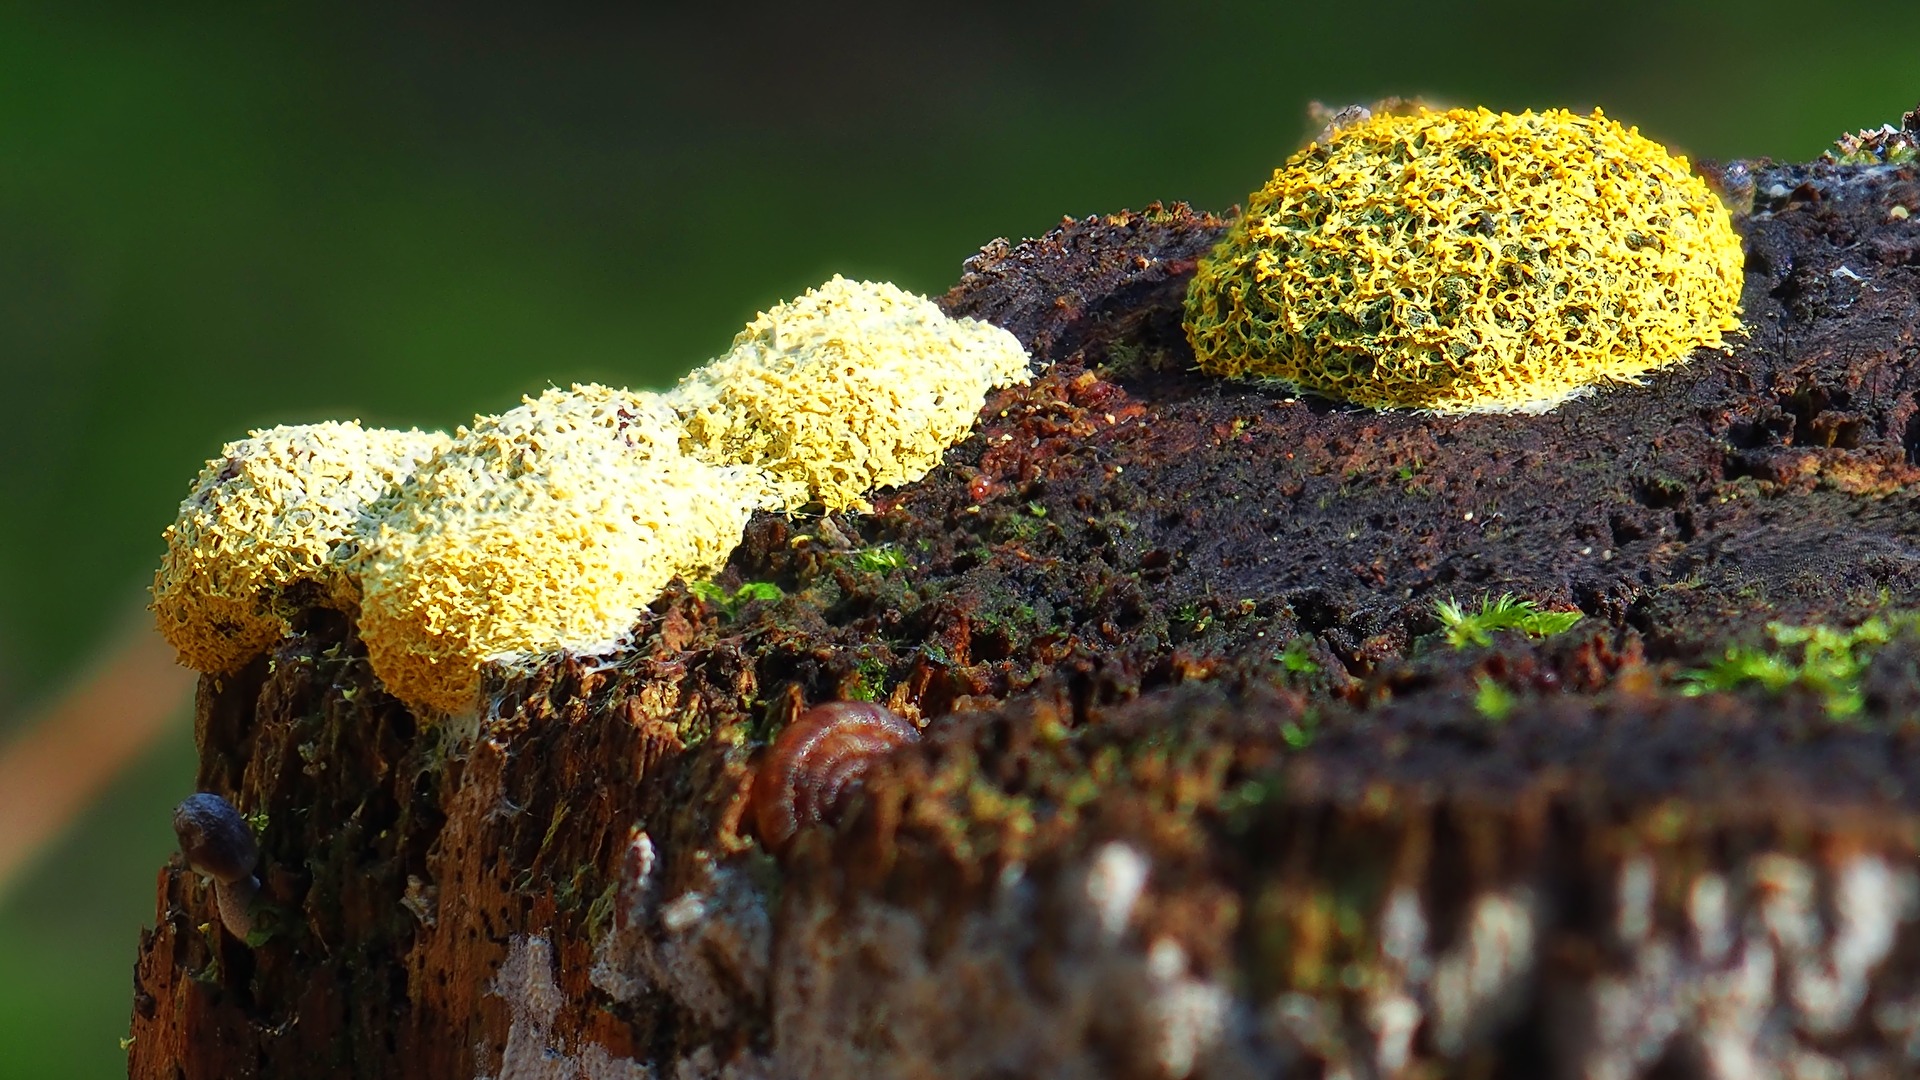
216, 217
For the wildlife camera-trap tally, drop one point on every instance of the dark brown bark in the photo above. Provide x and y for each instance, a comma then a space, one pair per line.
1201, 792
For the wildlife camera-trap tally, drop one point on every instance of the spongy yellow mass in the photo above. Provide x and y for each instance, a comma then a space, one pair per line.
855, 385
550, 526
547, 527
1467, 260
263, 530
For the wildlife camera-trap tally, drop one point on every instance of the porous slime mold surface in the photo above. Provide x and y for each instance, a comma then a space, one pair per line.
546, 527
274, 511
1469, 261
853, 386
551, 526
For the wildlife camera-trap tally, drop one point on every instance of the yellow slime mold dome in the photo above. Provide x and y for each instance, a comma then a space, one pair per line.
1469, 261
550, 526
275, 511
855, 385
547, 527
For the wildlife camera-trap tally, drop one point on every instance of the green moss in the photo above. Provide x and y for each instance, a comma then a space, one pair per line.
1123, 359
1300, 735
1464, 628
868, 680
1297, 657
1017, 528
879, 560
1822, 660
1493, 701
1194, 616
730, 603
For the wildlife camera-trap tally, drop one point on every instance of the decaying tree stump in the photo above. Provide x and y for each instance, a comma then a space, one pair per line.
1203, 789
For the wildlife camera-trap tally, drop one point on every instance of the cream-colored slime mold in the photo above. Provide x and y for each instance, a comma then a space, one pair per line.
550, 526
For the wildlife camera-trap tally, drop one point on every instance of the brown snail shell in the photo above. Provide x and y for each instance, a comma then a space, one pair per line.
818, 762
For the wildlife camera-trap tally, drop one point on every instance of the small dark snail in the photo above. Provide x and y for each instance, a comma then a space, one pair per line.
817, 764
218, 843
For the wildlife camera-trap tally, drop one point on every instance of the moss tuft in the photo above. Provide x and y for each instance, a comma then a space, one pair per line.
1826, 661
1464, 628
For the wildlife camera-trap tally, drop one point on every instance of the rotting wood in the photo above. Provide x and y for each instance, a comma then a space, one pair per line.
1199, 793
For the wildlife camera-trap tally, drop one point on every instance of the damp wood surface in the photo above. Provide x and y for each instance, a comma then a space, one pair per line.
1202, 789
